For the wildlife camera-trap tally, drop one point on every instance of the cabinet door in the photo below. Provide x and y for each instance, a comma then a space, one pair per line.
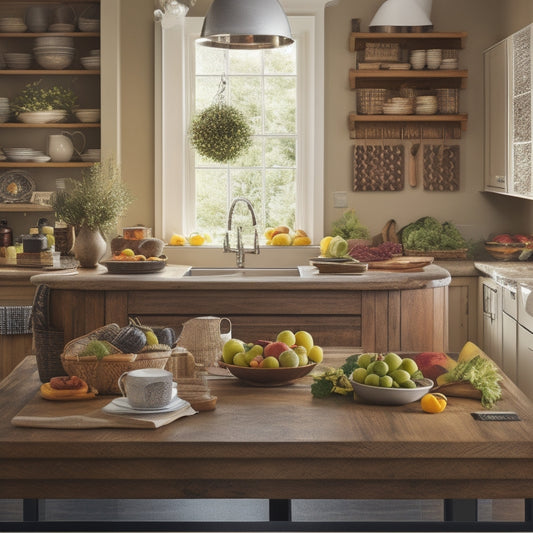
525, 361
496, 117
509, 346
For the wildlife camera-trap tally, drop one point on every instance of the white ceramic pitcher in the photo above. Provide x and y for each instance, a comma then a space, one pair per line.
61, 147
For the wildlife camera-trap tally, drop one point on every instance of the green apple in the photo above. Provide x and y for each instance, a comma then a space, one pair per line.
286, 336
302, 355
365, 359
409, 365
303, 338
289, 358
381, 368
400, 375
359, 375
239, 359
230, 348
269, 362
372, 379
385, 381
393, 360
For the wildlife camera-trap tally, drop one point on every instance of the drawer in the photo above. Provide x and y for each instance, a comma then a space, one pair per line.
509, 302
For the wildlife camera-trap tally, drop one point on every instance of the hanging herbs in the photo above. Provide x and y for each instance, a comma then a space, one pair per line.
220, 132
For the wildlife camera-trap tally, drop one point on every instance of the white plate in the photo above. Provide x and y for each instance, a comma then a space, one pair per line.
121, 405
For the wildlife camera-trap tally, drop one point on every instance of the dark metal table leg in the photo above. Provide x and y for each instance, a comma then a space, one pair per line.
460, 510
30, 510
528, 504
279, 510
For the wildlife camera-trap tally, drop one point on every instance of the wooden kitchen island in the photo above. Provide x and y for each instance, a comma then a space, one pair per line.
377, 311
275, 443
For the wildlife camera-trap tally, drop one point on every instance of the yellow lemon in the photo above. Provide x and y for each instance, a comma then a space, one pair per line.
177, 240
324, 243
195, 239
281, 239
301, 241
207, 237
128, 252
316, 354
268, 233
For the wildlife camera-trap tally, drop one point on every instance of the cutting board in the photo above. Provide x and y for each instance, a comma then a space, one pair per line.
88, 414
404, 264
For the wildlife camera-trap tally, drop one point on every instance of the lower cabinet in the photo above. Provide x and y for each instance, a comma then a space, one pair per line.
491, 319
462, 312
525, 361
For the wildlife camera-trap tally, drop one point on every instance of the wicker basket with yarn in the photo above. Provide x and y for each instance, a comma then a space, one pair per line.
102, 374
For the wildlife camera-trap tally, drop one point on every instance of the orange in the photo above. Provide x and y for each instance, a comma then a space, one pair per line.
433, 402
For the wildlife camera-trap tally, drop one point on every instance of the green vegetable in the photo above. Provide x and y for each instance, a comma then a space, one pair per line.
427, 233
349, 227
350, 364
483, 374
337, 247
331, 381
98, 348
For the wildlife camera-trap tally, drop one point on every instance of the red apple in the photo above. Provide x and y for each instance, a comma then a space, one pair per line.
433, 364
518, 237
274, 349
503, 238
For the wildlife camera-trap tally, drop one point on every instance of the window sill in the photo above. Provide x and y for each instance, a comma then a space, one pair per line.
214, 256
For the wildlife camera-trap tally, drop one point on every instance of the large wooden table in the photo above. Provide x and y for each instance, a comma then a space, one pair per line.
274, 443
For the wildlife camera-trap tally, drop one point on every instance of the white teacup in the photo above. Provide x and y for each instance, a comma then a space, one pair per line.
147, 388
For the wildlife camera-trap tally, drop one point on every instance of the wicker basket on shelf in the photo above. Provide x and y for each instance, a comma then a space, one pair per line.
370, 101
460, 253
102, 374
447, 101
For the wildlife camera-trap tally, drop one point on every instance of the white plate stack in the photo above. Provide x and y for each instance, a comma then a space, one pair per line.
434, 58
417, 58
91, 155
4, 109
43, 117
87, 115
449, 64
12, 25
91, 62
17, 60
426, 105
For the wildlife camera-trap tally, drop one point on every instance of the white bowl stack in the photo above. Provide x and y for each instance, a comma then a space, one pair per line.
87, 115
91, 62
88, 24
417, 58
449, 64
434, 58
17, 60
4, 109
54, 52
426, 105
12, 25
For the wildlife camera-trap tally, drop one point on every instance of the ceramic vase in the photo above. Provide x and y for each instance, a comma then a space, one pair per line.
89, 247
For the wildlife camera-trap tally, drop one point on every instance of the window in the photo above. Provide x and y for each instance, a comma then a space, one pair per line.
263, 85
282, 172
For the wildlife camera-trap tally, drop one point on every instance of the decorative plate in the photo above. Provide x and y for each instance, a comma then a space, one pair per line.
16, 186
133, 267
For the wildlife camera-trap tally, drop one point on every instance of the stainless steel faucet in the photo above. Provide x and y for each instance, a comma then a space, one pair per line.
240, 250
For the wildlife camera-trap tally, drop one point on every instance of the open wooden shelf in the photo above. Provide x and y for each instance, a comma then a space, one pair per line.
24, 207
68, 164
410, 40
60, 125
460, 118
45, 72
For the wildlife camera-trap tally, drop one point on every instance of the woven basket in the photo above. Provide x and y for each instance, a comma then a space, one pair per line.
382, 52
448, 101
370, 101
438, 254
48, 347
103, 374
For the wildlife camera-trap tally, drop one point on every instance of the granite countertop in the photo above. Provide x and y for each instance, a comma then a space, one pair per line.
173, 277
508, 273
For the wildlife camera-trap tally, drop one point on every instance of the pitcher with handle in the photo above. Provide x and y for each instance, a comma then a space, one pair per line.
203, 337
61, 147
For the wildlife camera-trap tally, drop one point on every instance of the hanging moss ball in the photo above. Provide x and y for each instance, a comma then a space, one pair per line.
220, 132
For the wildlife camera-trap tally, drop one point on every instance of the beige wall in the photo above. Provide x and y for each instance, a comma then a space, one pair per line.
477, 213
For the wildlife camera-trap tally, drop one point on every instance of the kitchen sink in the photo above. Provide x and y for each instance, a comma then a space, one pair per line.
243, 272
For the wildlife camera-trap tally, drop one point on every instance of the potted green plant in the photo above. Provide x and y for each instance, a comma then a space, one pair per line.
93, 205
38, 104
220, 132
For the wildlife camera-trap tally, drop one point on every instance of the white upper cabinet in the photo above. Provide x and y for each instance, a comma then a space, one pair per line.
508, 161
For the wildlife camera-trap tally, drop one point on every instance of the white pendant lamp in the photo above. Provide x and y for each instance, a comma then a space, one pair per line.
401, 15
246, 25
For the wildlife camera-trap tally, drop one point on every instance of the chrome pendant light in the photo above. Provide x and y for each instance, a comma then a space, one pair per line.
402, 16
246, 25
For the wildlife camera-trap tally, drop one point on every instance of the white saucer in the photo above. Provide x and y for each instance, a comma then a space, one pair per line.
121, 405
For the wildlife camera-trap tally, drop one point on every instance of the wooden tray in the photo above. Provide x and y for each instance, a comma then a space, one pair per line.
405, 264
325, 267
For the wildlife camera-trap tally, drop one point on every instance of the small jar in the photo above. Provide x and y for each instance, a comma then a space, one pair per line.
34, 242
6, 234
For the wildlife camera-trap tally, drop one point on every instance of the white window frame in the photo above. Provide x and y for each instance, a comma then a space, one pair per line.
172, 104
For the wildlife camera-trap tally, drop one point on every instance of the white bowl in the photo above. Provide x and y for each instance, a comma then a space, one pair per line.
42, 117
61, 27
54, 61
91, 63
89, 25
392, 396
88, 115
53, 48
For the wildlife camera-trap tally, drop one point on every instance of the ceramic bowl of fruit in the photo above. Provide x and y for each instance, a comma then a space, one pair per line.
265, 363
505, 251
388, 379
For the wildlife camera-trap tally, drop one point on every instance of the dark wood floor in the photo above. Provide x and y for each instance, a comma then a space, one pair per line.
256, 510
